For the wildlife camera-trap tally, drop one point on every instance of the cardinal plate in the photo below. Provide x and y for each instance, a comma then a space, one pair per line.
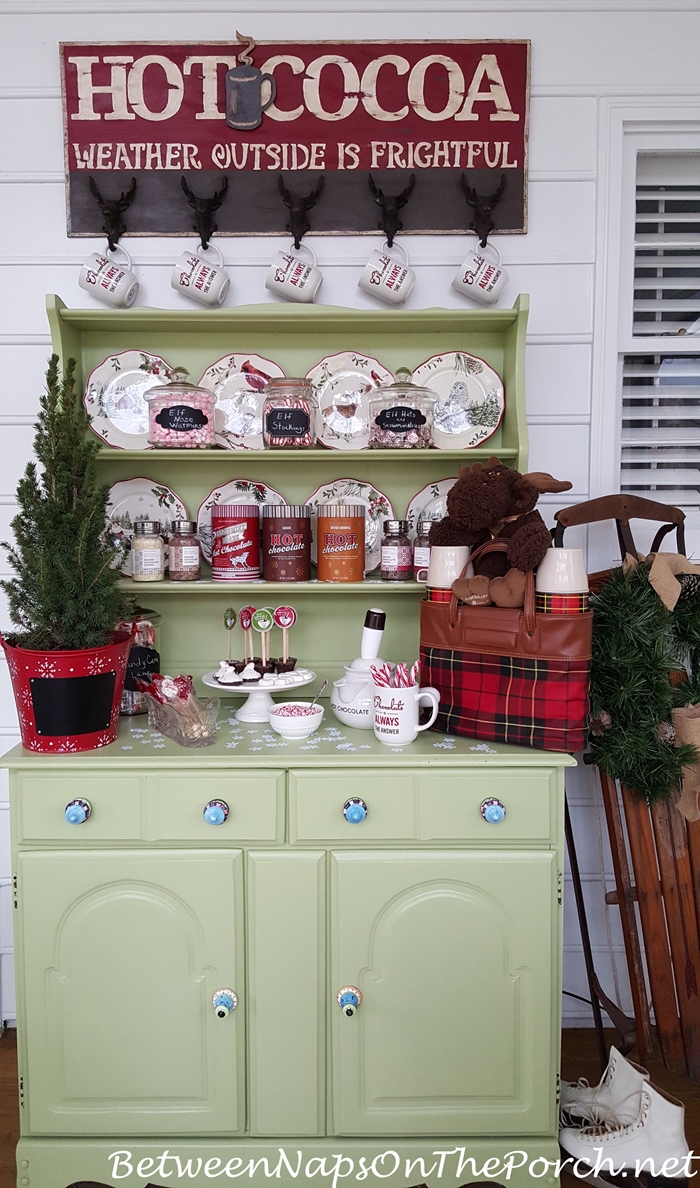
235, 491
470, 402
115, 397
238, 382
140, 499
343, 384
350, 490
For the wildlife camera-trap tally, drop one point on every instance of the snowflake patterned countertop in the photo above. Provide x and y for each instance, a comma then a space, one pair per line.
246, 745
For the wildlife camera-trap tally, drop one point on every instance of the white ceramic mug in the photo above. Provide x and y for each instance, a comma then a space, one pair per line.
396, 713
446, 565
387, 278
294, 278
104, 278
562, 571
481, 278
196, 277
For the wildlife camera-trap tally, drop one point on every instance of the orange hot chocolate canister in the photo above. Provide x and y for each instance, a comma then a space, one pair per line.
340, 542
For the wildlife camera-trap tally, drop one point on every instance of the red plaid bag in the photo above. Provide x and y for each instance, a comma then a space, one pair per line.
508, 675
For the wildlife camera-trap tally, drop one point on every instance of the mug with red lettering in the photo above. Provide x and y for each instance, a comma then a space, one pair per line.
386, 277
104, 278
481, 277
196, 276
396, 713
293, 277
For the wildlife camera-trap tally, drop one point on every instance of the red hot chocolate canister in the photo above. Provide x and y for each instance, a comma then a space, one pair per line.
235, 552
286, 543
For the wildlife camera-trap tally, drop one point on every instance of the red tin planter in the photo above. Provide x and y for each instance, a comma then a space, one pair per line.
68, 700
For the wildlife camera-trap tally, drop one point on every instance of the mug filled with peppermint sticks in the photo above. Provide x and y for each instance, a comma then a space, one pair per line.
397, 698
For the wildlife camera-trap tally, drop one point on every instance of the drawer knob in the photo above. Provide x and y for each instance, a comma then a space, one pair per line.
493, 811
224, 1002
355, 810
216, 812
349, 999
77, 811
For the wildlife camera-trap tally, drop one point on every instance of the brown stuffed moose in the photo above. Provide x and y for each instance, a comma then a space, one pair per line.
494, 502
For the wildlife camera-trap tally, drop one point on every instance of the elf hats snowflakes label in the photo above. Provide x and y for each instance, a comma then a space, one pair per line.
481, 277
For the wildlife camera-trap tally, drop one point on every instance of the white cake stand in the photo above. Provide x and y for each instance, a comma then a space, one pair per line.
259, 700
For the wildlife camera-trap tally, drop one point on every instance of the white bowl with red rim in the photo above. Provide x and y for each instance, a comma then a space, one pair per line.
295, 719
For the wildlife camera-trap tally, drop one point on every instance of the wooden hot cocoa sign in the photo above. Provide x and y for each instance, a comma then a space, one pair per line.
454, 114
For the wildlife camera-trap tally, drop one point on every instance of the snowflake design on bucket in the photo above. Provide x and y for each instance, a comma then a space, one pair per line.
11, 664
66, 745
46, 668
104, 739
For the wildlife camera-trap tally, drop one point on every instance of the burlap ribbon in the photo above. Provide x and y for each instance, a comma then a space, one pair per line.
662, 576
686, 723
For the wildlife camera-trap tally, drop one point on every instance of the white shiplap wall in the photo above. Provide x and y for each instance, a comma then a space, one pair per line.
587, 57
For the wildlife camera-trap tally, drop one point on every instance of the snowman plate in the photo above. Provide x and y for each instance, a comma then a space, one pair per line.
140, 499
470, 399
238, 382
115, 397
235, 491
343, 384
430, 503
379, 509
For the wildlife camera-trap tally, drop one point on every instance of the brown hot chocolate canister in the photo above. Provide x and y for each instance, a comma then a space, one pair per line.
340, 542
286, 543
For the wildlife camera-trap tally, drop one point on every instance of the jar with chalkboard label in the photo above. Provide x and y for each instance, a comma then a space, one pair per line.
401, 416
143, 662
290, 412
180, 415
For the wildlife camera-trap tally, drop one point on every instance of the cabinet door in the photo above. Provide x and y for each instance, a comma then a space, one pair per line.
121, 954
456, 956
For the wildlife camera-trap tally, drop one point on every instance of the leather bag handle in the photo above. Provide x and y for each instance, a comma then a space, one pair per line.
499, 546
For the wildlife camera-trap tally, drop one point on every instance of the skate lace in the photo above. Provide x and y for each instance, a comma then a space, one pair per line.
600, 1119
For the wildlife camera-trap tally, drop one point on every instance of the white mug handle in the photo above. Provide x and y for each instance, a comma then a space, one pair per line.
431, 695
293, 251
211, 248
489, 247
396, 247
119, 248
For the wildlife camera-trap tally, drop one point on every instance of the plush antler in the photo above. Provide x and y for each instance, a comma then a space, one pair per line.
204, 209
298, 206
546, 484
391, 205
483, 206
112, 209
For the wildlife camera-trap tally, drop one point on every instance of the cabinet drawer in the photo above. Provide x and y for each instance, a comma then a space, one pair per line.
255, 802
423, 806
116, 802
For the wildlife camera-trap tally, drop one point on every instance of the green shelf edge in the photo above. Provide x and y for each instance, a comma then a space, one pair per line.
112, 454
228, 588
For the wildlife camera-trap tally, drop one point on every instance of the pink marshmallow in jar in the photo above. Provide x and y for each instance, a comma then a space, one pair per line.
180, 415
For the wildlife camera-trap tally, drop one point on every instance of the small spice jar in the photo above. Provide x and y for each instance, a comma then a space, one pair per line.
286, 543
235, 552
401, 415
184, 561
421, 551
289, 414
180, 415
397, 553
340, 542
147, 552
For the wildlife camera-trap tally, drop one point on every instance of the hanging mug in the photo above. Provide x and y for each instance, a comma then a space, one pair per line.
113, 283
387, 278
244, 105
292, 277
480, 278
197, 278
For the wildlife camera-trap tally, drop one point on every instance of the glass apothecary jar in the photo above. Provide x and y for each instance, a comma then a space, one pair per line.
180, 415
290, 412
401, 415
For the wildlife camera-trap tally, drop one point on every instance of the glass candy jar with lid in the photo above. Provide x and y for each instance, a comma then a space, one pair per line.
401, 415
180, 415
289, 414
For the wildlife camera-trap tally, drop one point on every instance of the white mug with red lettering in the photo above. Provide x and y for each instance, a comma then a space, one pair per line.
196, 276
386, 277
396, 713
481, 278
104, 278
293, 277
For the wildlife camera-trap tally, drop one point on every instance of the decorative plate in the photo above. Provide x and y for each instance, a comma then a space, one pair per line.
349, 490
343, 384
140, 499
114, 397
235, 491
429, 501
238, 382
470, 402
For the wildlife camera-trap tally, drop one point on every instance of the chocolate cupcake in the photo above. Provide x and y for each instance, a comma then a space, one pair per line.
286, 665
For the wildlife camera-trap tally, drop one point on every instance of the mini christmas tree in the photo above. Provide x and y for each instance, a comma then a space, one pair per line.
65, 593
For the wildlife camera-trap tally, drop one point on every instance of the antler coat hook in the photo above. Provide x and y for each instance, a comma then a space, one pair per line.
483, 206
298, 205
204, 209
112, 210
391, 205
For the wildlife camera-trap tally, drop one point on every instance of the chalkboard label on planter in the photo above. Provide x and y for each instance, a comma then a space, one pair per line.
287, 422
142, 663
72, 705
400, 419
182, 418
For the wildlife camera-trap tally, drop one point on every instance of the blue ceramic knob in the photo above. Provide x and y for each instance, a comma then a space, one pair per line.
216, 812
355, 810
493, 811
349, 999
77, 811
224, 1002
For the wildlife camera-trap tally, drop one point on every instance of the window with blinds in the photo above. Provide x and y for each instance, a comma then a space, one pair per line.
661, 389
